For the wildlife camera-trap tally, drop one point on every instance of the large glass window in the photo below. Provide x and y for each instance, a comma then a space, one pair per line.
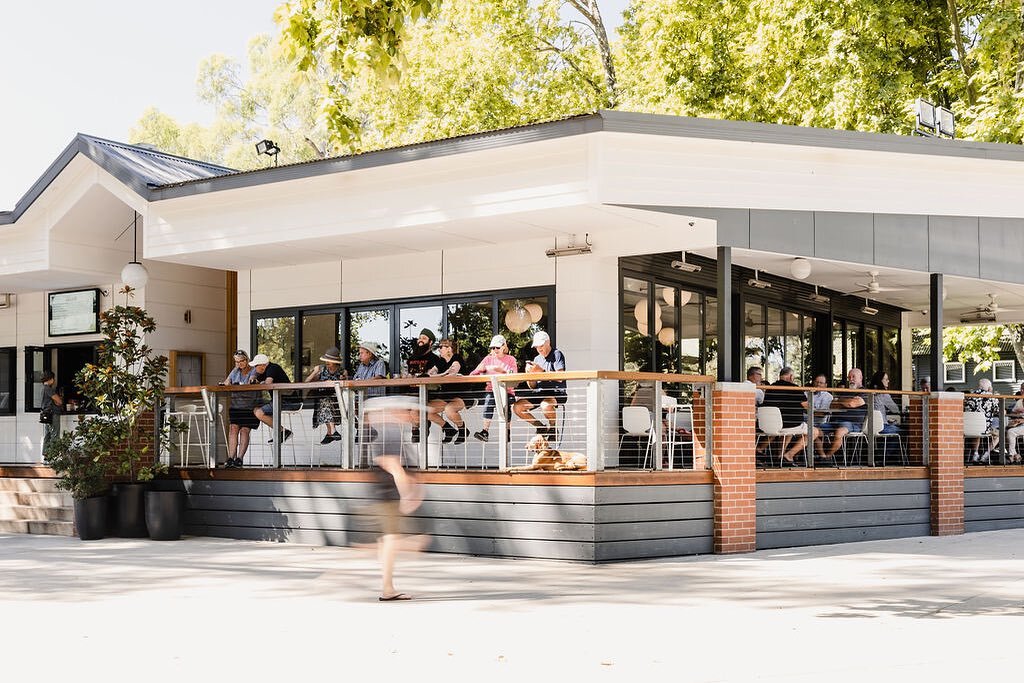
370, 325
753, 336
666, 328
691, 324
471, 325
711, 336
636, 342
275, 337
518, 320
320, 331
7, 381
412, 320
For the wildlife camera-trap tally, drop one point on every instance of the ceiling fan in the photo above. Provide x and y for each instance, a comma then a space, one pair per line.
992, 306
986, 313
873, 286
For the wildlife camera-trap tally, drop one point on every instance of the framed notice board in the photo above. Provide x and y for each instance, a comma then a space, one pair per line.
75, 312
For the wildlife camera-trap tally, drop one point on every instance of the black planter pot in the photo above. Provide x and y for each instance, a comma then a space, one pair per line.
131, 510
165, 515
91, 518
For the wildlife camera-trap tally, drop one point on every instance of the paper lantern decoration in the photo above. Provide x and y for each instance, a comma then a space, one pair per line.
642, 328
669, 295
684, 297
640, 311
518, 319
800, 268
535, 311
658, 325
667, 336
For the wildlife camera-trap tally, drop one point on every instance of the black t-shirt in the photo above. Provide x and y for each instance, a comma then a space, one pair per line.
788, 403
443, 365
276, 373
419, 366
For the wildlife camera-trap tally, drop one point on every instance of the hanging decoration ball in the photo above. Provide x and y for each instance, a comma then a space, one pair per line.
684, 297
535, 311
517, 319
658, 325
667, 336
642, 328
640, 311
800, 268
669, 295
135, 275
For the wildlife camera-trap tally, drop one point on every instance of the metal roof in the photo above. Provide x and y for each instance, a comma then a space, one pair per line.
156, 176
139, 168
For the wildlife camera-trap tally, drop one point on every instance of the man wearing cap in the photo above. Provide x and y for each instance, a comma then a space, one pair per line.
498, 362
272, 373
370, 367
546, 393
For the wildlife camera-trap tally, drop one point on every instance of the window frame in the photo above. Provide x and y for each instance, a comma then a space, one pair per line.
12, 380
1003, 364
395, 305
952, 365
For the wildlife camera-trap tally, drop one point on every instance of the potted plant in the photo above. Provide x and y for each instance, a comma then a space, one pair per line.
126, 382
81, 460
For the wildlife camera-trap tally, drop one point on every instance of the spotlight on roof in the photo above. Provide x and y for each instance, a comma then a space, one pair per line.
268, 147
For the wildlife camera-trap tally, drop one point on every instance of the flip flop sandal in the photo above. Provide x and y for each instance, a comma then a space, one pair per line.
395, 597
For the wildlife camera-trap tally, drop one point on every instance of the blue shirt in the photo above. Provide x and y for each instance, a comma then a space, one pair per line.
375, 370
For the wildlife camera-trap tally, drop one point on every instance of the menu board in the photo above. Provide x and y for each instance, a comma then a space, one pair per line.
75, 312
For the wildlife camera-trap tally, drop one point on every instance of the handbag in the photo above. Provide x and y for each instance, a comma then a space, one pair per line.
46, 416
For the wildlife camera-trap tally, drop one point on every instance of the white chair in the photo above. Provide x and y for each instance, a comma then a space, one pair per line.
679, 416
196, 418
976, 427
293, 422
769, 421
636, 421
879, 425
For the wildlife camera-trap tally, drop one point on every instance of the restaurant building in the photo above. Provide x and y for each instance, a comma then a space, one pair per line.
641, 243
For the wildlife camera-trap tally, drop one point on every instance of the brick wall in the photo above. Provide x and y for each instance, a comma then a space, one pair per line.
946, 465
735, 508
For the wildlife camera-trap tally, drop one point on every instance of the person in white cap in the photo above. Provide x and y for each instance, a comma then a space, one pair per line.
548, 394
272, 373
497, 362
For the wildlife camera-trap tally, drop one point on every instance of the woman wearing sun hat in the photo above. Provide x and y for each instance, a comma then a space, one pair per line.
327, 411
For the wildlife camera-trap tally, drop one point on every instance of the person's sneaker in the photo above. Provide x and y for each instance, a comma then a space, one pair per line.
415, 434
461, 436
287, 435
328, 438
984, 459
335, 436
975, 457
449, 433
482, 435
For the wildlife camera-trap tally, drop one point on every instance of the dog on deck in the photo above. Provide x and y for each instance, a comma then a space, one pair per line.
548, 459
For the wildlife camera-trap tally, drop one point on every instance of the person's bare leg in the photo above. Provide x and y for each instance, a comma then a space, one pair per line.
837, 440
243, 442
453, 410
434, 414
386, 555
233, 441
522, 409
548, 406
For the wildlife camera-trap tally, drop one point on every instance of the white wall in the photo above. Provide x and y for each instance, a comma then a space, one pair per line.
172, 289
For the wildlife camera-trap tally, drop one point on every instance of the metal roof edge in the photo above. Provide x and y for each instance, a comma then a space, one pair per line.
506, 137
776, 133
40, 185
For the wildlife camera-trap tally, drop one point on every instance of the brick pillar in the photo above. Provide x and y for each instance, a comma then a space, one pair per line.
915, 431
699, 432
733, 419
946, 462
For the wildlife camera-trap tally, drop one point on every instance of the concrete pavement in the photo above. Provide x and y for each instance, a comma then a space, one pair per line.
208, 609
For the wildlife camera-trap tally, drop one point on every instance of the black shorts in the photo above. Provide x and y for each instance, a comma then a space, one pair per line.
535, 396
243, 417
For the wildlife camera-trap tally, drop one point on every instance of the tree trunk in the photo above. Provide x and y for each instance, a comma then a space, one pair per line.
592, 13
961, 51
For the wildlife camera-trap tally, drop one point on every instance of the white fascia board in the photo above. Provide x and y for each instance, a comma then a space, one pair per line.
674, 171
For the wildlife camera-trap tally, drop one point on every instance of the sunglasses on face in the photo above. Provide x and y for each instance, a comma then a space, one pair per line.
495, 348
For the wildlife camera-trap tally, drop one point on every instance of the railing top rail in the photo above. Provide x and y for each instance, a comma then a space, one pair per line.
843, 390
455, 379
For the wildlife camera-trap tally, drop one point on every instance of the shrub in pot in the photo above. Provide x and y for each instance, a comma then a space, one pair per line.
80, 459
126, 382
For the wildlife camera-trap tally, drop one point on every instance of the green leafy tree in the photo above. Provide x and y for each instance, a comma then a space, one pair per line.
275, 102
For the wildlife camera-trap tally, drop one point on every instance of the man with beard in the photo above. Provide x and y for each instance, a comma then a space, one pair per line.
423, 362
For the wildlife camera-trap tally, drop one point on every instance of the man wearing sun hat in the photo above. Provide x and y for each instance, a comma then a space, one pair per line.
370, 366
546, 393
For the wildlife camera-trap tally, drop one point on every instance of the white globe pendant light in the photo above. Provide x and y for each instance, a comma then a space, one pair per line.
535, 311
134, 274
800, 268
667, 336
684, 297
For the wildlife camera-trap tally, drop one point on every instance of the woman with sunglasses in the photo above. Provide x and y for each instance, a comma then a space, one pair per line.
240, 415
497, 362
